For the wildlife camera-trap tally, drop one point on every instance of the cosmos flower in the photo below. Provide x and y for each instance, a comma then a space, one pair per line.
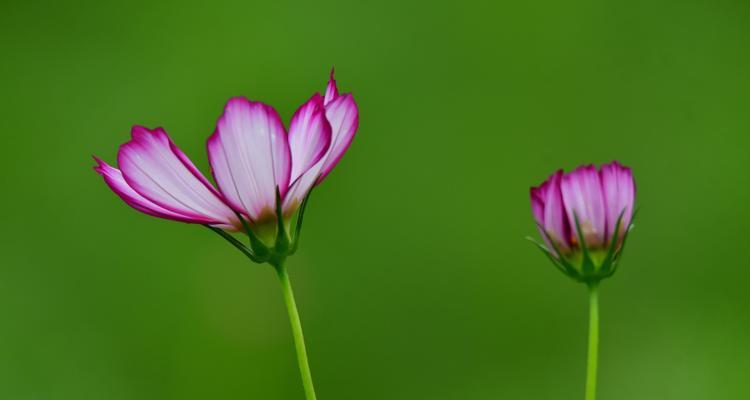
255, 162
584, 217
263, 172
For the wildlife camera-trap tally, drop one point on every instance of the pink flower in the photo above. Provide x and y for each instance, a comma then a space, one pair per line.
252, 156
584, 217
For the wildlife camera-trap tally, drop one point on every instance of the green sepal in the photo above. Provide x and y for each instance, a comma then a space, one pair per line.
231, 239
298, 224
588, 271
283, 245
282, 239
561, 265
261, 251
616, 260
568, 268
587, 264
606, 268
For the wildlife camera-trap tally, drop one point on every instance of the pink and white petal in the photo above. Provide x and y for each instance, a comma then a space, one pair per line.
309, 136
555, 220
114, 179
537, 205
309, 170
157, 170
537, 208
582, 196
619, 195
250, 156
343, 115
332, 92
299, 189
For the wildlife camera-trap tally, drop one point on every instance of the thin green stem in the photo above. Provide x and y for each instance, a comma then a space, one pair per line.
593, 341
299, 339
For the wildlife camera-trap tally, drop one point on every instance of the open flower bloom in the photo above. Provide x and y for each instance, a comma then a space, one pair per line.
584, 217
261, 169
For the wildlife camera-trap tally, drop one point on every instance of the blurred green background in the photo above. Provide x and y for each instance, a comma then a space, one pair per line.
414, 279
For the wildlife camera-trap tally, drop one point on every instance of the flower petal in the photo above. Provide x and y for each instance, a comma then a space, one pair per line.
619, 195
554, 211
343, 116
158, 171
299, 189
114, 179
332, 92
309, 135
547, 205
309, 140
582, 195
249, 156
537, 206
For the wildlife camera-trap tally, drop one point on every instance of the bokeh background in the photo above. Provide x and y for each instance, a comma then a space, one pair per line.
414, 279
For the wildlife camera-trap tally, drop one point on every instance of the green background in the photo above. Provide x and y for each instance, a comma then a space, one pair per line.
414, 279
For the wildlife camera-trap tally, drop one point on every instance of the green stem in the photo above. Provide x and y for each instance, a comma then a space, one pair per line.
593, 341
299, 339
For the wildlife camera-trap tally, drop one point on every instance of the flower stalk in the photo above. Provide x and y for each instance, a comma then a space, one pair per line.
584, 218
276, 256
593, 352
264, 174
299, 338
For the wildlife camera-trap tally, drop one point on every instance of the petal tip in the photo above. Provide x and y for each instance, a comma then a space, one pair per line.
332, 92
138, 132
101, 166
237, 101
317, 100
